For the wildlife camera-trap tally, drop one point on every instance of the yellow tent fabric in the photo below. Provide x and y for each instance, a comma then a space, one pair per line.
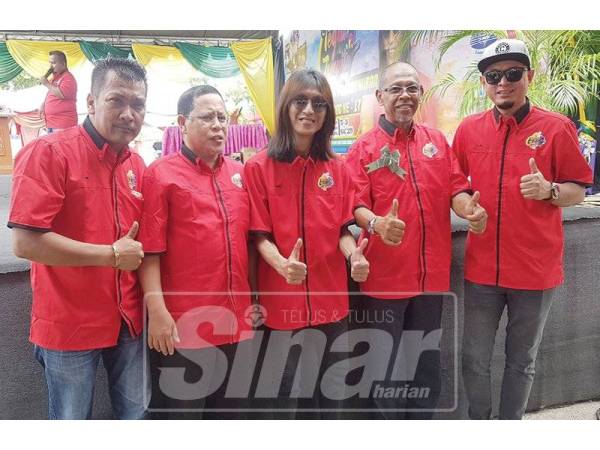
164, 61
255, 59
32, 56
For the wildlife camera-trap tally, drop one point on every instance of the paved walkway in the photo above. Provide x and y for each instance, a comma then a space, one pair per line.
578, 411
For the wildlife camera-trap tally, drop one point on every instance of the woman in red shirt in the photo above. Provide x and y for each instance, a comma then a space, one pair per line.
302, 202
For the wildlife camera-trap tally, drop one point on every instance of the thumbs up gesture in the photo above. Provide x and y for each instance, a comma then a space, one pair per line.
389, 227
475, 214
128, 252
533, 185
292, 269
359, 266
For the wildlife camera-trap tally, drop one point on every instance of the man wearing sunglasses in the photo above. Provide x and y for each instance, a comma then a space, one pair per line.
526, 164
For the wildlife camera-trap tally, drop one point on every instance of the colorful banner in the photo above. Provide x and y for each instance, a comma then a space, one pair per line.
255, 59
32, 56
350, 61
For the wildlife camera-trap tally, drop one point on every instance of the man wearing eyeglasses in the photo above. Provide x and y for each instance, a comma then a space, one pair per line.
194, 229
406, 180
526, 163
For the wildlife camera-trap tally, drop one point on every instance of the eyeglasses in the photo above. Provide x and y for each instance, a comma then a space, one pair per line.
318, 103
209, 119
412, 89
512, 75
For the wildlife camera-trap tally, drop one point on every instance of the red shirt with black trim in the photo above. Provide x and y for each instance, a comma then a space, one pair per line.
197, 219
74, 184
522, 247
309, 199
423, 175
62, 112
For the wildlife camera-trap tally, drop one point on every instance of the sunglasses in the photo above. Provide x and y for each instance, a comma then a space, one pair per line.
512, 75
318, 104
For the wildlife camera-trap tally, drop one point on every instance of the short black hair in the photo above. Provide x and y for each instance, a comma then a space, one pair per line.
185, 104
60, 55
125, 69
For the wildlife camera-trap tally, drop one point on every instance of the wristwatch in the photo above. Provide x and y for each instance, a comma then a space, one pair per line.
554, 191
371, 226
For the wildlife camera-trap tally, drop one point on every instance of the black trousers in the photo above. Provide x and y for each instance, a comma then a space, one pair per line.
304, 380
192, 384
398, 385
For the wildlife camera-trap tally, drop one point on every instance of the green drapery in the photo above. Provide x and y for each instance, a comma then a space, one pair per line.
8, 66
99, 50
216, 62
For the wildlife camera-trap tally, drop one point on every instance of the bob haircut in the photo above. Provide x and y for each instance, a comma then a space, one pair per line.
282, 146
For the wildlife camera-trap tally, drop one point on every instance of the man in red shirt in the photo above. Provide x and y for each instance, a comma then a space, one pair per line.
195, 276
526, 163
75, 208
406, 180
59, 108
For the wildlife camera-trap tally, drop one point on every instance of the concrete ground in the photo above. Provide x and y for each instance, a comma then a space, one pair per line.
577, 411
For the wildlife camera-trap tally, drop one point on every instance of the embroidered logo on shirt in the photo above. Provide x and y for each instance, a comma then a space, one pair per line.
536, 140
237, 180
429, 150
325, 181
132, 183
388, 159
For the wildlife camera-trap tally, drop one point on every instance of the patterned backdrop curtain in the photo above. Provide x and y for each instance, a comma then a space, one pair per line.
99, 50
216, 62
8, 66
255, 59
165, 61
32, 56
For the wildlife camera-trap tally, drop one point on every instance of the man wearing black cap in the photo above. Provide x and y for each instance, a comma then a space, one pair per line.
526, 164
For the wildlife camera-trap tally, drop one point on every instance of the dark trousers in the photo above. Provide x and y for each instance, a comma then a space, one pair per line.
192, 384
398, 392
304, 380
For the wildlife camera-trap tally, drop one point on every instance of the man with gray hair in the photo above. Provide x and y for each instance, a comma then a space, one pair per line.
74, 213
406, 181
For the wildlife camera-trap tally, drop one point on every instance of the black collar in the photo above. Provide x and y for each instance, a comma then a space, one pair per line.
389, 127
190, 155
519, 115
195, 160
91, 130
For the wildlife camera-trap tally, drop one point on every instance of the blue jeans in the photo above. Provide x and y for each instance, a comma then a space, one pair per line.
527, 314
71, 376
